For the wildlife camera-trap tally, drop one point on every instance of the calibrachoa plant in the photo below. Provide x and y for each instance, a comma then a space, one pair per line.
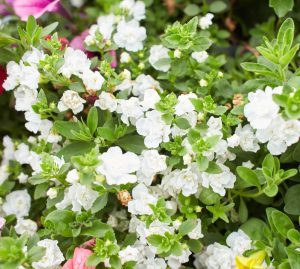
136, 139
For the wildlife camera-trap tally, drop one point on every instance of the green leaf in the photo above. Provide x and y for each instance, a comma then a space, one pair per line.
217, 6
192, 10
75, 148
93, 260
291, 200
132, 143
287, 58
31, 25
259, 69
208, 197
243, 211
248, 176
271, 190
294, 258
281, 7
187, 226
36, 253
40, 190
256, 229
65, 128
49, 29
155, 239
281, 222
92, 119
195, 245
213, 168
100, 203
98, 229
294, 236
115, 262
182, 123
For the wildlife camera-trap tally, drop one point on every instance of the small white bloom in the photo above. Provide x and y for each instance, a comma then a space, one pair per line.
130, 110
239, 242
218, 182
17, 203
196, 233
200, 56
76, 63
150, 98
25, 98
118, 167
52, 193
72, 176
92, 80
248, 164
175, 262
151, 164
125, 57
107, 101
144, 82
130, 35
233, 141
106, 25
33, 56
53, 256
141, 200
129, 254
206, 21
177, 53
79, 196
22, 178
26, 226
203, 83
184, 104
134, 8
71, 100
153, 128
261, 109
247, 139
159, 58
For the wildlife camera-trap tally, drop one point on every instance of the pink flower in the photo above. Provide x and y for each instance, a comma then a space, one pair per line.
114, 62
79, 260
35, 7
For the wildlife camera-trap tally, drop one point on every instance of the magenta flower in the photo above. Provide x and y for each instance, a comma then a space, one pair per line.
35, 8
79, 260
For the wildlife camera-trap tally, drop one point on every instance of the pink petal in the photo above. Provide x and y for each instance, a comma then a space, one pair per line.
78, 41
68, 265
114, 62
80, 257
34, 7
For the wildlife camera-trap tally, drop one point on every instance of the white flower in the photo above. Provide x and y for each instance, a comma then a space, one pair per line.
129, 254
203, 82
26, 226
248, 164
22, 153
184, 104
106, 25
279, 134
22, 178
196, 233
261, 109
33, 56
159, 58
72, 176
214, 127
76, 63
151, 263
17, 203
52, 193
77, 3
25, 98
239, 242
206, 21
4, 173
130, 35
130, 110
78, 196
233, 141
71, 100
200, 56
216, 256
141, 200
142, 83
8, 151
191, 117
92, 80
53, 256
218, 182
151, 164
150, 98
153, 128
118, 167
107, 101
175, 262
27, 76
185, 181
35, 123
134, 8
247, 139
125, 57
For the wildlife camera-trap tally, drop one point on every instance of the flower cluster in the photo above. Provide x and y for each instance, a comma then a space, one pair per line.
142, 151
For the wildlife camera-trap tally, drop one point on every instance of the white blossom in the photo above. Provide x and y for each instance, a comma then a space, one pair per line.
130, 35
53, 256
72, 176
130, 109
159, 58
106, 101
118, 168
142, 83
150, 98
196, 233
153, 128
71, 100
247, 139
218, 182
200, 56
261, 109
17, 203
184, 104
129, 254
106, 25
26, 226
206, 21
79, 196
134, 8
92, 80
239, 242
